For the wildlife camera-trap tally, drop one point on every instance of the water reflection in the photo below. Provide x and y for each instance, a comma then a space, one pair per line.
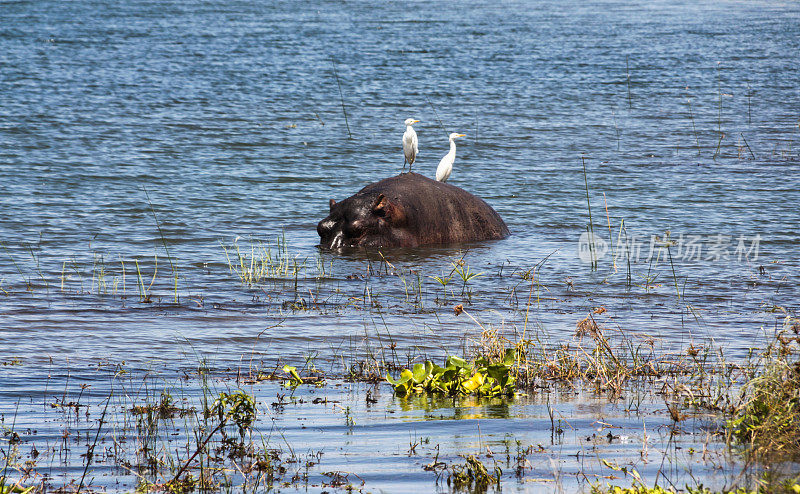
457, 408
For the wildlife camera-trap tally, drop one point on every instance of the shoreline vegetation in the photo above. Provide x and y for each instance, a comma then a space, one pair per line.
749, 407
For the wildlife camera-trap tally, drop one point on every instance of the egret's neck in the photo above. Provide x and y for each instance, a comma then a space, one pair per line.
452, 147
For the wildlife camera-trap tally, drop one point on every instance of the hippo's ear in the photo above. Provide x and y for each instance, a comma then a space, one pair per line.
386, 209
332, 203
381, 205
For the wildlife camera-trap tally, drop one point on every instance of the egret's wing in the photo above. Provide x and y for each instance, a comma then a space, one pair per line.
441, 168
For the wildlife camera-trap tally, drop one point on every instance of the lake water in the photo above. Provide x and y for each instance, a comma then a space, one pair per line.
140, 140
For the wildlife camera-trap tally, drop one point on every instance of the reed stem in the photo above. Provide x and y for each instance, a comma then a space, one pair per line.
341, 98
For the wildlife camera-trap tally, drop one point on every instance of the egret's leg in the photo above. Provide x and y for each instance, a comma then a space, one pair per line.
404, 163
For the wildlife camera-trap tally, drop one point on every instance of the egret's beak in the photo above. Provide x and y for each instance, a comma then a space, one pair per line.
415, 121
461, 135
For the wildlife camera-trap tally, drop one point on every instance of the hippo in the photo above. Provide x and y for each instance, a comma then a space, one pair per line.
409, 210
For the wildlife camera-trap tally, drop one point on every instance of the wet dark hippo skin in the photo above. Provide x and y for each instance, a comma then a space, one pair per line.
409, 210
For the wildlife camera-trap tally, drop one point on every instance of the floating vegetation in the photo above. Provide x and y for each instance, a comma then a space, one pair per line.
197, 438
165, 408
458, 377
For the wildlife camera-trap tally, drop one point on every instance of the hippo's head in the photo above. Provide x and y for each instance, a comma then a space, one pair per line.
364, 220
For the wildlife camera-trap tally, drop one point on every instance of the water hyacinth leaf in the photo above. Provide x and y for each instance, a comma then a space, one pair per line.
449, 374
402, 385
439, 373
456, 362
405, 376
474, 382
510, 356
401, 389
420, 373
499, 373
391, 380
509, 385
487, 389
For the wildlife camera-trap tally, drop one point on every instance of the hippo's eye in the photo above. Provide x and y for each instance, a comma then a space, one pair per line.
353, 229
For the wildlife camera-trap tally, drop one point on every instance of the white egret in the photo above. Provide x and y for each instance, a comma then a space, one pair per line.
410, 143
446, 165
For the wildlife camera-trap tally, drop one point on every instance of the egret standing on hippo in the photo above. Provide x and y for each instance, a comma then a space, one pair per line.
410, 143
410, 210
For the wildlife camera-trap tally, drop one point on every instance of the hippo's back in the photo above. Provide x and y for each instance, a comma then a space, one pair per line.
440, 213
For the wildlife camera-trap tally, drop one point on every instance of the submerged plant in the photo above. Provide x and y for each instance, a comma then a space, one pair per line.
458, 377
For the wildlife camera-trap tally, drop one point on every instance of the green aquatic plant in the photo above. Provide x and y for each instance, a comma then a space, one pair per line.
458, 377
14, 488
639, 488
466, 274
768, 420
145, 293
292, 371
443, 280
237, 407
473, 476
261, 263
